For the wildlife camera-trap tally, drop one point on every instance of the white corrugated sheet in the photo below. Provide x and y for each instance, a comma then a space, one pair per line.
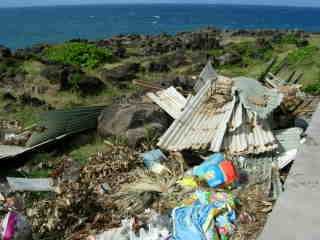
10, 150
170, 100
199, 125
289, 143
207, 74
218, 119
247, 134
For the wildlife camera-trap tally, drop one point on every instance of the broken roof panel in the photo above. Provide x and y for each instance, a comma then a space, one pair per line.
257, 98
288, 138
207, 74
200, 124
289, 142
10, 150
247, 134
65, 122
170, 100
252, 137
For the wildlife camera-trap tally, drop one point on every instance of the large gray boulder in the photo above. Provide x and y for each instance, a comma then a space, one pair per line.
134, 122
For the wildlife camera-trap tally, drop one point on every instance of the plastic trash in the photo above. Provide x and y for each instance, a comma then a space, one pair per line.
188, 182
157, 229
216, 171
15, 227
32, 185
152, 160
209, 216
194, 223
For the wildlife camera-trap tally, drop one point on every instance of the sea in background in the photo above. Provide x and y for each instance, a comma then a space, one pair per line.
22, 27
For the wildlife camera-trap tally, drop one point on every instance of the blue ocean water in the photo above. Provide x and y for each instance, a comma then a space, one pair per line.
21, 27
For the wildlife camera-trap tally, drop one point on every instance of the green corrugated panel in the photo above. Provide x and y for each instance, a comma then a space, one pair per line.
61, 122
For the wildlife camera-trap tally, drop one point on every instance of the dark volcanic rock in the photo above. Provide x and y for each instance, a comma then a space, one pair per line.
61, 74
123, 73
8, 96
19, 78
4, 52
26, 99
178, 59
302, 43
229, 58
89, 85
120, 52
133, 121
30, 52
158, 66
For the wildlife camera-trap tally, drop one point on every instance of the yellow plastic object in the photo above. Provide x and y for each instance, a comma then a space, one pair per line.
189, 182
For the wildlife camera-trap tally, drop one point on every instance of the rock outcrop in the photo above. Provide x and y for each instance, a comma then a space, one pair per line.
133, 122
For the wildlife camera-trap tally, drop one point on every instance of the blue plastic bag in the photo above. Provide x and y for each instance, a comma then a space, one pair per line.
188, 223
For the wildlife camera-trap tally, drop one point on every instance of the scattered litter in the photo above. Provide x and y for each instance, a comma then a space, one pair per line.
216, 171
32, 185
152, 160
131, 229
15, 227
206, 215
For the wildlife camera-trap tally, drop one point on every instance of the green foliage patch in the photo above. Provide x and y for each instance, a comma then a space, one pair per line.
301, 55
313, 88
80, 54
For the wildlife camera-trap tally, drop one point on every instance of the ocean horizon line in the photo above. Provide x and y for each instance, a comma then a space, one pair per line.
164, 3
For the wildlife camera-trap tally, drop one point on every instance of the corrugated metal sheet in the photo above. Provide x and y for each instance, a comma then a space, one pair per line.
288, 138
232, 126
247, 134
257, 98
10, 150
207, 74
57, 125
62, 122
170, 100
289, 143
199, 125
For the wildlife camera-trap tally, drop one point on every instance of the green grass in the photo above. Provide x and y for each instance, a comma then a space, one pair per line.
81, 54
82, 153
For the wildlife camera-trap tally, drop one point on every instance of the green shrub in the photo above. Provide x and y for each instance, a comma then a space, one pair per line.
75, 79
289, 39
249, 50
81, 54
301, 54
313, 88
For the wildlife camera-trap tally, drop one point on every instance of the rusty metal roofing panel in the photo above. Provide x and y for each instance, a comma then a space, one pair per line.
207, 74
256, 97
170, 100
199, 125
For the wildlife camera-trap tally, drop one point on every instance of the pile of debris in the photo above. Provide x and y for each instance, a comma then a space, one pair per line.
230, 124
